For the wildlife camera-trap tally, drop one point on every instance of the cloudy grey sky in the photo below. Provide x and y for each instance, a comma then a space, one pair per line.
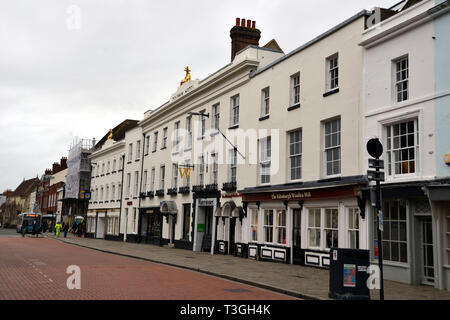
58, 82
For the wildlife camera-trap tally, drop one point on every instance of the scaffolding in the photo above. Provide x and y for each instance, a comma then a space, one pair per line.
78, 167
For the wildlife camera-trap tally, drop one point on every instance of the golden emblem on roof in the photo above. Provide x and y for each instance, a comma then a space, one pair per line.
188, 75
110, 134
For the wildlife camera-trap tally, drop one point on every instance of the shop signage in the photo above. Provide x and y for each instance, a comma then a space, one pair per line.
325, 193
200, 227
205, 203
129, 203
291, 196
236, 195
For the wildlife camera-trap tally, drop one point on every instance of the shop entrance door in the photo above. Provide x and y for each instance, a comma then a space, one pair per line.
155, 229
231, 248
296, 237
207, 236
427, 251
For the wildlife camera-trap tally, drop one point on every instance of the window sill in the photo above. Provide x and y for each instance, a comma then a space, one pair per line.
154, 151
129, 162
236, 126
215, 133
294, 107
201, 138
163, 148
264, 118
187, 149
331, 92
175, 153
137, 160
393, 264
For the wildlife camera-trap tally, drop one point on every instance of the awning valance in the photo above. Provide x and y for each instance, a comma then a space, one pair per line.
218, 212
227, 209
169, 207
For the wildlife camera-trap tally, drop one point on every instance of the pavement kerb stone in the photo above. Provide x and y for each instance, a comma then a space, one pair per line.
223, 276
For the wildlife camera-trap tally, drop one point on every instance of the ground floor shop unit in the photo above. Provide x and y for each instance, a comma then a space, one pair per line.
299, 224
416, 234
103, 224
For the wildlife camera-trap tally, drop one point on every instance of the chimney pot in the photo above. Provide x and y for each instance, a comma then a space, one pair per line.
238, 21
243, 35
249, 23
253, 24
242, 22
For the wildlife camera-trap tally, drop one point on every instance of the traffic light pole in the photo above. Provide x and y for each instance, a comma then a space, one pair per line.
380, 235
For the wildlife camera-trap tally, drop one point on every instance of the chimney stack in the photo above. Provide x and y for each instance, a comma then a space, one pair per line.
63, 163
243, 34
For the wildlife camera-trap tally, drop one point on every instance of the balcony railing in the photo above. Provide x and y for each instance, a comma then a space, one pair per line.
184, 190
159, 193
172, 191
229, 186
150, 194
198, 188
211, 187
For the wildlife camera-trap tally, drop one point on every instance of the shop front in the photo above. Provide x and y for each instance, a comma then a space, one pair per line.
301, 226
205, 222
229, 230
150, 226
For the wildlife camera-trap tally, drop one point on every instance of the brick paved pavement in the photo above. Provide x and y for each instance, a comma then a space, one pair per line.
298, 281
35, 268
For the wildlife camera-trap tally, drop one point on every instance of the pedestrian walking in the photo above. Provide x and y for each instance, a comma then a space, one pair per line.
58, 227
24, 228
66, 229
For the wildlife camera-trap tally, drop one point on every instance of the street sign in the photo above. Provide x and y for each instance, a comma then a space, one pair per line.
375, 175
376, 164
375, 148
381, 220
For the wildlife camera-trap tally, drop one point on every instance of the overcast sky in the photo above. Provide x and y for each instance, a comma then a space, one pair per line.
61, 77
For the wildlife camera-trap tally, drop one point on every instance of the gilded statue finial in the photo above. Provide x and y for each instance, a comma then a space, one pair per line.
110, 134
188, 75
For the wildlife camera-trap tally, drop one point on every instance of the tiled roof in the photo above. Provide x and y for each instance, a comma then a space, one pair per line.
26, 187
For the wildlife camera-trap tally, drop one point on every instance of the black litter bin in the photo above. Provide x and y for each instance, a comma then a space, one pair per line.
348, 274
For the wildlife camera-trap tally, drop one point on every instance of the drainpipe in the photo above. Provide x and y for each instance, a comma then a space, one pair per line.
140, 186
121, 198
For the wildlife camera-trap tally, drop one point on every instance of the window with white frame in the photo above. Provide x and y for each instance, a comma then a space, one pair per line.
402, 147
395, 237
233, 165
152, 180
103, 168
110, 225
333, 147
175, 175
215, 168
114, 165
314, 228
265, 101
164, 138
295, 155
97, 198
119, 191
147, 145
176, 144
189, 133
202, 128
254, 225
235, 110
268, 226
264, 160
280, 228
113, 192
130, 152
353, 228
331, 228
295, 89
155, 141
107, 193
136, 183
215, 116
333, 72
121, 163
448, 238
402, 79
144, 181
201, 171
128, 185
108, 167
162, 177
101, 194
138, 149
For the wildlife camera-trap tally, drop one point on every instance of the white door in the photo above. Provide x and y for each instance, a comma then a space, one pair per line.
100, 228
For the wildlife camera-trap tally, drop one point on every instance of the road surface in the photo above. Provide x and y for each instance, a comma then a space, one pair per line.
35, 268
